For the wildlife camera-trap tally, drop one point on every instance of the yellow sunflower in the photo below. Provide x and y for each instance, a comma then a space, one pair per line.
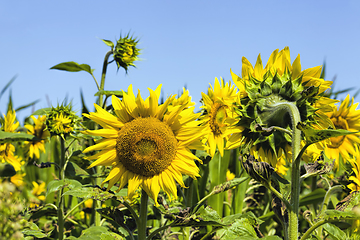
262, 88
7, 149
38, 192
39, 130
218, 115
347, 117
146, 144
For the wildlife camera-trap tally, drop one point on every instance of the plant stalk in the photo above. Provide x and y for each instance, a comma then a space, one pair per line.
143, 216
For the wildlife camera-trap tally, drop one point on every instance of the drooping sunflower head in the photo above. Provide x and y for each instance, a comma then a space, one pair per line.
346, 116
38, 129
61, 120
218, 115
126, 52
263, 90
146, 144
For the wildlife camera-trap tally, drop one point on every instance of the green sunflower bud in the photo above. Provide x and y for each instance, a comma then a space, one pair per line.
260, 171
126, 52
61, 120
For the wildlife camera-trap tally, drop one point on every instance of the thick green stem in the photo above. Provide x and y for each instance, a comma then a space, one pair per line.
294, 113
98, 169
143, 216
60, 202
295, 172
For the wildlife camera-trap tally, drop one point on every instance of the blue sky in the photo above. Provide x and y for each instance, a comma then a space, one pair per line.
183, 43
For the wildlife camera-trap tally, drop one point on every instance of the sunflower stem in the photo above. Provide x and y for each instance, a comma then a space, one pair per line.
295, 171
143, 216
60, 203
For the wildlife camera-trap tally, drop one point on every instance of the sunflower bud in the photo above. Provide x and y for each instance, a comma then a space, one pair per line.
61, 120
126, 52
260, 171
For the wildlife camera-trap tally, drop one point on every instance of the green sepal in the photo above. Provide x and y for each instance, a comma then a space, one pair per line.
73, 67
314, 135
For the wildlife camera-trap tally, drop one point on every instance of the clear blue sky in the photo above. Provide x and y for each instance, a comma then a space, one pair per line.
183, 43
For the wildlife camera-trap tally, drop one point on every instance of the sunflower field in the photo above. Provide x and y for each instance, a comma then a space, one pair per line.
271, 154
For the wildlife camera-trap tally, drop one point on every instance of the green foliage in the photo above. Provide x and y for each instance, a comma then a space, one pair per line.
73, 67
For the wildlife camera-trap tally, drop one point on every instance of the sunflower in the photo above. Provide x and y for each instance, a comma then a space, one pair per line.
38, 192
7, 150
262, 89
39, 130
347, 117
146, 144
218, 116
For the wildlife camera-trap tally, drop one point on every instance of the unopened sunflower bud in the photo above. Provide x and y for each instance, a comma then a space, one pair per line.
260, 171
61, 120
126, 52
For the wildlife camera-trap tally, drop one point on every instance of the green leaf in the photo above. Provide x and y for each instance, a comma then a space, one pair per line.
204, 217
34, 231
314, 135
7, 170
73, 170
240, 229
7, 85
87, 192
335, 215
56, 185
315, 196
109, 43
335, 232
92, 233
6, 137
26, 106
73, 67
109, 93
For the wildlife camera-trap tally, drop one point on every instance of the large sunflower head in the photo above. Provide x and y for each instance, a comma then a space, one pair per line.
263, 90
146, 144
218, 116
9, 124
346, 116
38, 129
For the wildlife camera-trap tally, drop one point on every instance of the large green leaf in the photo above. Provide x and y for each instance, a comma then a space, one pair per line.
73, 67
34, 231
240, 229
314, 135
204, 217
6, 137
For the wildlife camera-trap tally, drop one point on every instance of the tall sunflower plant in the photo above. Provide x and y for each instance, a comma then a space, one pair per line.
269, 155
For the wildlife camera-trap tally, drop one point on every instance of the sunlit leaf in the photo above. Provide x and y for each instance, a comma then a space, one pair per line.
73, 67
335, 232
109, 43
56, 185
42, 111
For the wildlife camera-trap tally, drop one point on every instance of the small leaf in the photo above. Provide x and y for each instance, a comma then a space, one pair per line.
6, 137
109, 43
87, 192
7, 85
91, 233
56, 185
42, 111
73, 67
34, 231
